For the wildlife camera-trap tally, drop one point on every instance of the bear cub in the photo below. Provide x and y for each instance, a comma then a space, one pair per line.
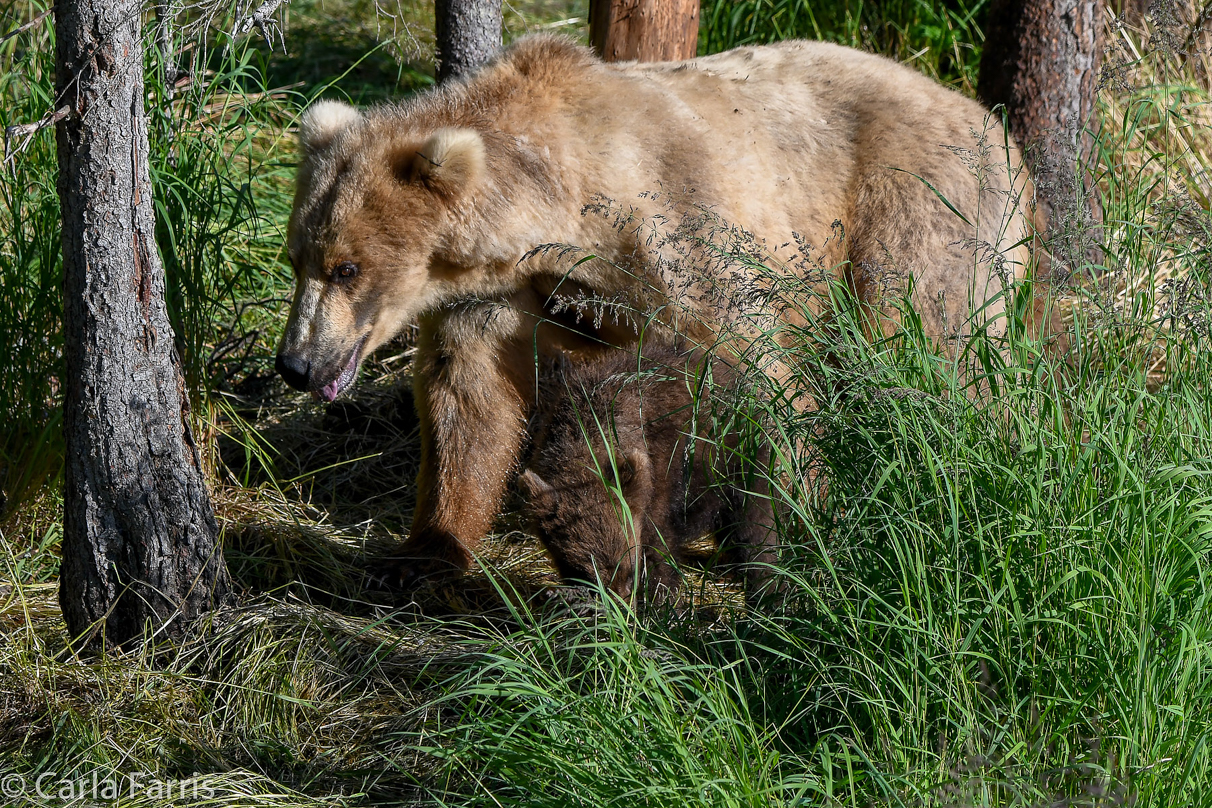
624, 454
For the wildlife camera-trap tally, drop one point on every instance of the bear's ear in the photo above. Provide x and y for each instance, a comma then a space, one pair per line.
635, 472
451, 162
534, 487
323, 121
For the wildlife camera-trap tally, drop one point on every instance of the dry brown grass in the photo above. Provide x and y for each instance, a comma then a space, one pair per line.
1154, 130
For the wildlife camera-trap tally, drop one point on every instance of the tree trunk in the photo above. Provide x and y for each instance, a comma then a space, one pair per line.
469, 34
1041, 61
644, 30
139, 536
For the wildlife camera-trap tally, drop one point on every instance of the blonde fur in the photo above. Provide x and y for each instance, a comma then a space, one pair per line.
452, 160
323, 121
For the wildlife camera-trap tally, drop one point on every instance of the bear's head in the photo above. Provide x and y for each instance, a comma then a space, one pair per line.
371, 202
590, 516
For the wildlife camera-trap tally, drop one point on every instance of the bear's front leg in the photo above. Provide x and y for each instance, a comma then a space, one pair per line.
473, 381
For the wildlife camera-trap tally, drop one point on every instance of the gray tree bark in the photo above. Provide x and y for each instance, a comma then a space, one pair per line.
468, 33
1041, 61
139, 536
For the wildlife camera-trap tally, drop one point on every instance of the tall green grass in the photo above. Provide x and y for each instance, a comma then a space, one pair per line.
993, 594
221, 172
942, 38
30, 272
221, 169
997, 594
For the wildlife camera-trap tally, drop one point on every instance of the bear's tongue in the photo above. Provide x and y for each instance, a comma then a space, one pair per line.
331, 390
329, 393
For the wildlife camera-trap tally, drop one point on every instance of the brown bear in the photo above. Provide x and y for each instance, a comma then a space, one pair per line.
628, 465
429, 212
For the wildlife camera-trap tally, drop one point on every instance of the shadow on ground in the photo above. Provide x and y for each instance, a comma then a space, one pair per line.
319, 496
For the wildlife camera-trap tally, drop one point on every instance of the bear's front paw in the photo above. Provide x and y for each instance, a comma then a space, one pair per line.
425, 558
396, 573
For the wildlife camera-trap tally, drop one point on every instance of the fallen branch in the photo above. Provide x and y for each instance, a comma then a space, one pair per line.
261, 19
25, 26
28, 130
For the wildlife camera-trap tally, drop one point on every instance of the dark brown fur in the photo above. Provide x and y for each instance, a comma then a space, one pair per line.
643, 429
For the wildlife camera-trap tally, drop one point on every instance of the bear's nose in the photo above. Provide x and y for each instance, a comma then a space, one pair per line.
293, 370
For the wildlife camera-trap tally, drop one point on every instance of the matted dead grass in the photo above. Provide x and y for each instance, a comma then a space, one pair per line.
1154, 134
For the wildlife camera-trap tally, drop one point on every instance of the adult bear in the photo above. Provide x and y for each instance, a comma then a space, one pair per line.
429, 212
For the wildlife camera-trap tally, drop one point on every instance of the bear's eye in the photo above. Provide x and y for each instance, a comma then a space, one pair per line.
344, 271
